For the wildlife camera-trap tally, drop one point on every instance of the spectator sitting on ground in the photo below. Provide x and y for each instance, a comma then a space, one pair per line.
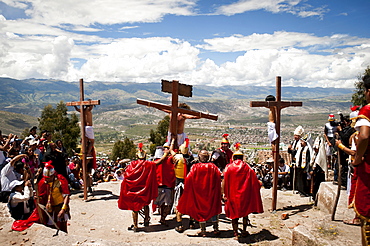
21, 199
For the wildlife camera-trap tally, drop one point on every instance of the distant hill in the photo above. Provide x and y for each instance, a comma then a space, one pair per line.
31, 95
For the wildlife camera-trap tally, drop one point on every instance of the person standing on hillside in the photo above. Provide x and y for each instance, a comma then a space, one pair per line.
139, 187
331, 128
362, 166
241, 190
201, 199
223, 155
89, 130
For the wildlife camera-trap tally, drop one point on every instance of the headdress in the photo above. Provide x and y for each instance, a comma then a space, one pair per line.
48, 169
141, 154
299, 131
237, 152
225, 139
184, 148
331, 117
354, 108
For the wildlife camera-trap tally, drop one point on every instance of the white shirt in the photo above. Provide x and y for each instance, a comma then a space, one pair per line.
7, 176
19, 197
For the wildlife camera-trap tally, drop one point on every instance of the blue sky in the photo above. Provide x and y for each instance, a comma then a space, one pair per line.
220, 42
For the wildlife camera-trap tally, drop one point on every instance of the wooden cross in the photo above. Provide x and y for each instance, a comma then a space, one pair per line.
83, 103
176, 89
278, 105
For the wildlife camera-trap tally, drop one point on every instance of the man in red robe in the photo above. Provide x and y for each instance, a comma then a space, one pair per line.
201, 199
139, 187
241, 192
362, 166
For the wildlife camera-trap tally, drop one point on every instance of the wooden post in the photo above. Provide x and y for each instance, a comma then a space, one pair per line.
176, 89
278, 105
83, 103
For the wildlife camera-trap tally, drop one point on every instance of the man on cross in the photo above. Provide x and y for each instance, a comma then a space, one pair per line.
89, 131
181, 135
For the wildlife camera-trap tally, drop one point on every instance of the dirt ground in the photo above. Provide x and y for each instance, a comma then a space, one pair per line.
98, 221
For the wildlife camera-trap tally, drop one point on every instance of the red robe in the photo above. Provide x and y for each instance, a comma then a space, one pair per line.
242, 190
43, 192
139, 186
202, 192
362, 192
166, 173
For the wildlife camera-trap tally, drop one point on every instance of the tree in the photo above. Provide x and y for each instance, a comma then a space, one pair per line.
125, 149
60, 125
158, 137
358, 98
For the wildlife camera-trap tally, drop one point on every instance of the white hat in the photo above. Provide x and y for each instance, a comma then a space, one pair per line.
158, 152
15, 183
299, 131
33, 142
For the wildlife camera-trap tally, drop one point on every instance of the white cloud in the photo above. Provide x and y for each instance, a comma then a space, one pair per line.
87, 12
273, 6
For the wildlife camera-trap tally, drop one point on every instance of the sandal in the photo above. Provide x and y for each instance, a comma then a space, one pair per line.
355, 222
202, 234
180, 229
236, 236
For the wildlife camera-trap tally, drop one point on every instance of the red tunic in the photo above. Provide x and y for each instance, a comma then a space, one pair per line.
229, 155
43, 190
166, 173
242, 190
202, 192
362, 192
139, 186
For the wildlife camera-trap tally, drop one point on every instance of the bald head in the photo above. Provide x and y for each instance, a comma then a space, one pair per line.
203, 156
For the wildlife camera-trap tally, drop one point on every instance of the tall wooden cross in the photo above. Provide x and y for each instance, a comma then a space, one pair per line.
83, 103
176, 89
278, 105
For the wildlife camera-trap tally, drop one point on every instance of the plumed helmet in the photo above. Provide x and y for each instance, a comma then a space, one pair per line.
299, 131
225, 139
141, 154
184, 148
331, 117
48, 169
237, 152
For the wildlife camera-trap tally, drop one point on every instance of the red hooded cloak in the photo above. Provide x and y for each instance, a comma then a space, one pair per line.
139, 186
202, 192
242, 190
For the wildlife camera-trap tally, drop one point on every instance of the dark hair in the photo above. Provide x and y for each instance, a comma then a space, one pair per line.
366, 80
270, 98
19, 164
282, 160
184, 105
238, 157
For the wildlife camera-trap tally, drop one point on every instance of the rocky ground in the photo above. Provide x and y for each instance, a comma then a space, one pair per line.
98, 221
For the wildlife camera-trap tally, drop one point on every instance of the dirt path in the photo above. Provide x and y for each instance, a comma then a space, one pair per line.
98, 221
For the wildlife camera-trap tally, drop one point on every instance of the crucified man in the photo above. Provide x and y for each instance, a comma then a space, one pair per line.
89, 131
181, 136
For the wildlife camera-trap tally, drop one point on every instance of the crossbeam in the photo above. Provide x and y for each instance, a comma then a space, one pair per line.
83, 103
179, 110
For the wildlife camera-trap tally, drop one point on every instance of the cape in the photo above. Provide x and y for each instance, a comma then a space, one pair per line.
242, 190
166, 173
202, 192
362, 191
139, 186
21, 225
